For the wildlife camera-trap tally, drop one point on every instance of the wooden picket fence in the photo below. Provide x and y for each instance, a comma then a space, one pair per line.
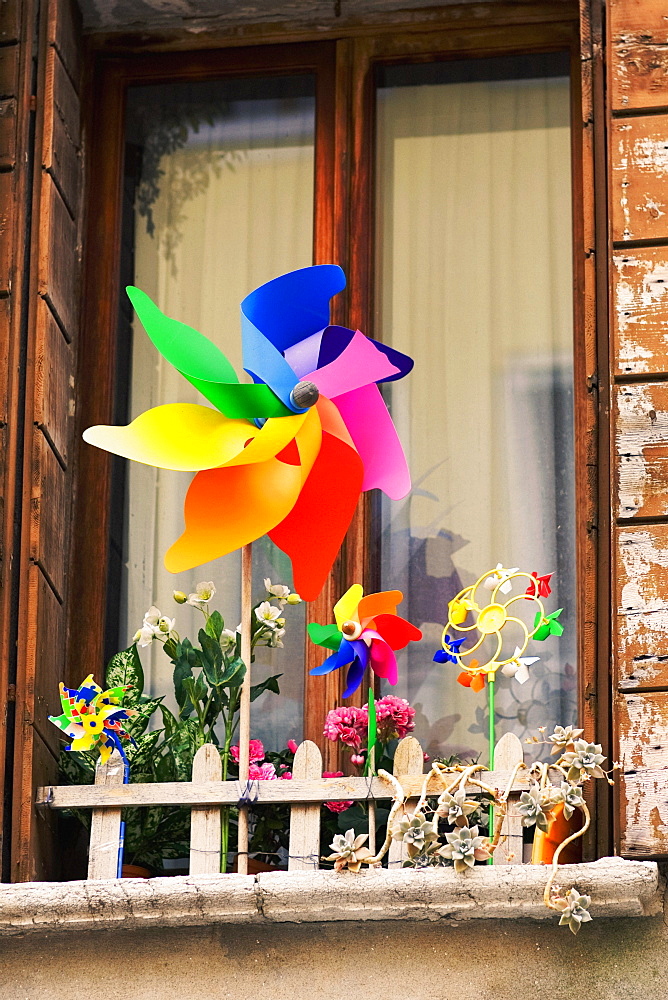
305, 793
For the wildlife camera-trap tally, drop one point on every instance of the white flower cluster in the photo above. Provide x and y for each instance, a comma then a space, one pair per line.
155, 626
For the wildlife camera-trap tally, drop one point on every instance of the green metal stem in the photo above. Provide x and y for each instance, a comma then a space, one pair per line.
492, 745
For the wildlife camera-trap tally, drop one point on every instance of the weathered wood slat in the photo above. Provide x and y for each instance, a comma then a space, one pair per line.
507, 753
205, 824
62, 127
228, 792
642, 737
8, 133
638, 34
304, 844
6, 215
408, 760
105, 827
639, 178
640, 624
9, 69
49, 528
641, 478
640, 311
64, 32
59, 258
54, 399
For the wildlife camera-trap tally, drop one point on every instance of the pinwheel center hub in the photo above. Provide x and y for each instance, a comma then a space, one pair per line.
492, 618
351, 629
305, 395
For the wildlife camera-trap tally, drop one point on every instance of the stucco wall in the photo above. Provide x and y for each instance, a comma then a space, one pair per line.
473, 960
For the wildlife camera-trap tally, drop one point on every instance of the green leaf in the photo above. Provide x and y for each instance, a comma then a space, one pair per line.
212, 658
269, 684
234, 673
125, 668
182, 672
145, 709
215, 625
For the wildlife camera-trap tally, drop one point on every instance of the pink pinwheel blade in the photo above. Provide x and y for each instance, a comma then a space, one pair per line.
359, 364
375, 437
382, 659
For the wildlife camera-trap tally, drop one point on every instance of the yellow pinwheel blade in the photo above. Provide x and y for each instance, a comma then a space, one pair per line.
188, 438
228, 507
346, 607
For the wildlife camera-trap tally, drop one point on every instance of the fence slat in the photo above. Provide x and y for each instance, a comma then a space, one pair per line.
408, 759
105, 828
205, 825
304, 848
507, 753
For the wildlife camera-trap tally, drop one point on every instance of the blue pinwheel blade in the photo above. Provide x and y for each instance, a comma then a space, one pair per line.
354, 678
294, 305
344, 655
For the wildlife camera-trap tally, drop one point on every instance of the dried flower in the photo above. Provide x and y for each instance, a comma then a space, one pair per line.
349, 851
465, 847
575, 910
585, 757
455, 808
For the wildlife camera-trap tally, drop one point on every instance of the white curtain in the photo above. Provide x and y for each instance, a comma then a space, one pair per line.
235, 209
475, 279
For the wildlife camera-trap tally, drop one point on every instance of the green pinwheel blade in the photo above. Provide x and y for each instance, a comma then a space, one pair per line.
325, 635
203, 364
371, 733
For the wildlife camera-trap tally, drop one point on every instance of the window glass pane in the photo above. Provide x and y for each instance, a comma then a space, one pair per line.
475, 282
221, 201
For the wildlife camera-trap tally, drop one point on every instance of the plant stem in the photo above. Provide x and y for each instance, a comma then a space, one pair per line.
244, 707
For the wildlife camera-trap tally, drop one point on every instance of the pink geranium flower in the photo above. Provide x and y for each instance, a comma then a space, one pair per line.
346, 725
292, 746
256, 752
262, 772
336, 807
394, 718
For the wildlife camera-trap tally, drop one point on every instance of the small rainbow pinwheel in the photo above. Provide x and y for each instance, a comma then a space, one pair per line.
93, 718
490, 620
367, 632
287, 455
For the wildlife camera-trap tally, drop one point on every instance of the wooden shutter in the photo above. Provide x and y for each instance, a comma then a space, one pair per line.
637, 48
50, 338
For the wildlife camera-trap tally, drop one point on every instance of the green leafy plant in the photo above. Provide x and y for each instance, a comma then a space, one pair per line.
208, 678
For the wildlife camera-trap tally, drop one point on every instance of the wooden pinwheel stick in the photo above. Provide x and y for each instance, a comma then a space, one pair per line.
491, 681
244, 708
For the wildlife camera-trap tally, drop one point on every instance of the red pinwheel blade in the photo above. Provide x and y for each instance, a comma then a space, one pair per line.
396, 631
312, 533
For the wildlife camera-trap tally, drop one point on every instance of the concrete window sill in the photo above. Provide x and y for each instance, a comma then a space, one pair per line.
618, 888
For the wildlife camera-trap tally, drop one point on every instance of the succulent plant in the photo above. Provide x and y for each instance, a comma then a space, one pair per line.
584, 757
572, 797
562, 737
419, 835
456, 808
575, 910
535, 804
465, 847
349, 851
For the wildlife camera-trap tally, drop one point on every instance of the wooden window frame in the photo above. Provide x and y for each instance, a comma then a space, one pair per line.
345, 70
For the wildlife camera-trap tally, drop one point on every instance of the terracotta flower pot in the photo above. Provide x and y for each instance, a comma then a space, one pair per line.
254, 866
558, 829
135, 871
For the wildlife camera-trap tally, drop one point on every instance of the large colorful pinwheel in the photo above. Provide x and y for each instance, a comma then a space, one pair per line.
93, 718
287, 455
367, 632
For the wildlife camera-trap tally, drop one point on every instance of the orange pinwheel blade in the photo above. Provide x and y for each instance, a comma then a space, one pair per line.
312, 532
384, 603
228, 507
477, 682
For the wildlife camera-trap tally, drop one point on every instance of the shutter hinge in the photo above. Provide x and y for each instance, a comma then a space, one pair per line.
592, 383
